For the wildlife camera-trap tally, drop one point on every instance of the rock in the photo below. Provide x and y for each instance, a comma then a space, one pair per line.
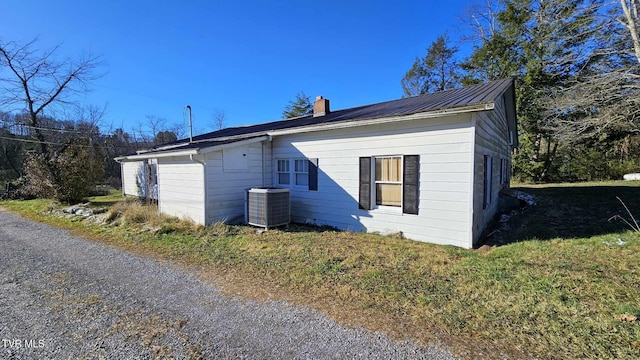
70, 210
485, 248
631, 177
627, 317
84, 212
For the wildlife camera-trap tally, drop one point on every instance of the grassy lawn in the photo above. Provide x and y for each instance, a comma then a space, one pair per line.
567, 284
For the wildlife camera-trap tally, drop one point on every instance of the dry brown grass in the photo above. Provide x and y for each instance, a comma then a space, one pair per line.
135, 214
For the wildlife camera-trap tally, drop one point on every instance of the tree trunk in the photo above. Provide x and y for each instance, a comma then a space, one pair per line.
630, 9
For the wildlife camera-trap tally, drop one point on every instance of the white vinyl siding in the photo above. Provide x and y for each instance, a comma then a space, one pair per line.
203, 190
226, 189
132, 171
444, 146
137, 176
181, 188
491, 139
235, 158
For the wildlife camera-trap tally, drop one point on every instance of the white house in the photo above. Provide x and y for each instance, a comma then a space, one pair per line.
430, 166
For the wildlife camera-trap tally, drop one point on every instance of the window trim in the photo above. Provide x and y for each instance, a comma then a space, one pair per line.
410, 190
311, 172
488, 181
278, 172
503, 171
295, 173
374, 183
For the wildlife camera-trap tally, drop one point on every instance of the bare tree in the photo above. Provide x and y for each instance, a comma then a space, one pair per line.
148, 129
219, 119
156, 130
630, 10
603, 100
37, 82
482, 20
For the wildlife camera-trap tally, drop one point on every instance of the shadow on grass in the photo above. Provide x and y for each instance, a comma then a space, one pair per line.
570, 211
295, 227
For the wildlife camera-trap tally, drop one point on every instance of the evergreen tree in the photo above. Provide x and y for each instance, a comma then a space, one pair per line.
414, 81
437, 71
301, 106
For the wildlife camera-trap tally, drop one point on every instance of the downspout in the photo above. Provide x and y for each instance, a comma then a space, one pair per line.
121, 175
204, 184
264, 176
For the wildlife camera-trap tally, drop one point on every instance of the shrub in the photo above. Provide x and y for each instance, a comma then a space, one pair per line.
68, 176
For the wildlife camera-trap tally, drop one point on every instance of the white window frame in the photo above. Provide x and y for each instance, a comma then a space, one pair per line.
297, 172
291, 170
278, 172
488, 179
505, 171
374, 183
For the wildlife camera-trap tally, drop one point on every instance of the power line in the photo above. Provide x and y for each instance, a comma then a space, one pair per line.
43, 128
33, 141
133, 133
97, 144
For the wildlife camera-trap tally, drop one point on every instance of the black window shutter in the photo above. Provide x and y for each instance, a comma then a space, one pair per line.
313, 174
364, 200
410, 184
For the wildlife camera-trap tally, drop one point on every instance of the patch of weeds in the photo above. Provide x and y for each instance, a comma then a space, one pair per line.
631, 222
331, 266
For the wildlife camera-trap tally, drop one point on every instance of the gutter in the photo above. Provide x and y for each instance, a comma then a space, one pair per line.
264, 175
191, 152
160, 155
221, 138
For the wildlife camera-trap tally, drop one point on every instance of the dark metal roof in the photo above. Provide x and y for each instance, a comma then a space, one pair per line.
442, 100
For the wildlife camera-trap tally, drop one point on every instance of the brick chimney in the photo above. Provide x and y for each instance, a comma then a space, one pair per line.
320, 106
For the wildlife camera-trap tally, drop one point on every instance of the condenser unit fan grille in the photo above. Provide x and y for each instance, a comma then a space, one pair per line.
268, 207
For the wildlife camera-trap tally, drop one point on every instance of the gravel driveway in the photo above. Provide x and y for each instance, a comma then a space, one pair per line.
63, 297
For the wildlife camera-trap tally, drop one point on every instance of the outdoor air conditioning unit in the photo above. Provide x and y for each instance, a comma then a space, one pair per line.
268, 207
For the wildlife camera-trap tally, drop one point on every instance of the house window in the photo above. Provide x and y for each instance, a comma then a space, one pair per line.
503, 171
488, 165
283, 172
304, 174
301, 172
388, 181
392, 181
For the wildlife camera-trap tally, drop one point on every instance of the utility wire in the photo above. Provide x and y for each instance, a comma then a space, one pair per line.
10, 125
97, 144
33, 141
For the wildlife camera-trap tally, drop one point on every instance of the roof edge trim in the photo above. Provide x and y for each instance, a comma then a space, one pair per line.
387, 119
196, 151
169, 153
234, 144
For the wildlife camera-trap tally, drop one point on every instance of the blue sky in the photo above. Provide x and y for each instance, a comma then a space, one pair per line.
246, 58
